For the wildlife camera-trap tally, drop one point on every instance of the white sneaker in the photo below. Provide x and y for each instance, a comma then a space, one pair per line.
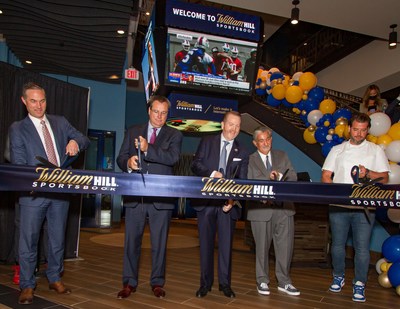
359, 292
263, 288
289, 289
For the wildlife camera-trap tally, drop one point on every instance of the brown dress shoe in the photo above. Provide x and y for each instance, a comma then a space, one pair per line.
59, 287
158, 291
126, 291
26, 297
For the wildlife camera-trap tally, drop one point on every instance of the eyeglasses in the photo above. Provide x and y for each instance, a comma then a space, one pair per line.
163, 113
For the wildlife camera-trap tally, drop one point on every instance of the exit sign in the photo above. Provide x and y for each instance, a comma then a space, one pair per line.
132, 74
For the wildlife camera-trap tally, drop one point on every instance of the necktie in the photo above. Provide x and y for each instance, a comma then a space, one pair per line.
153, 136
222, 158
268, 164
51, 154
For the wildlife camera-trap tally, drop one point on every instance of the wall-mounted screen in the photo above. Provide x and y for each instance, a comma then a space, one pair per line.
209, 62
149, 64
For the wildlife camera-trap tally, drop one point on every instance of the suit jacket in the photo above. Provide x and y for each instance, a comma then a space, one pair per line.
160, 159
257, 210
206, 161
25, 142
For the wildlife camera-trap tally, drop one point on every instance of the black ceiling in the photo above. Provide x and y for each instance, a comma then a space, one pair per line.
69, 37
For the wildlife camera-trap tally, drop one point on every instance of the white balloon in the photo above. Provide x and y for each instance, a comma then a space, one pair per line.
394, 215
378, 265
393, 151
380, 124
296, 76
394, 175
314, 116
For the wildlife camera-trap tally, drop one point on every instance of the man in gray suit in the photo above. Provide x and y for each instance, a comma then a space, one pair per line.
151, 148
271, 221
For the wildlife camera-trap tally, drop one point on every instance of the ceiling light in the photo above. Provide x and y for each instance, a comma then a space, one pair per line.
295, 13
1, 12
114, 77
120, 31
28, 62
393, 36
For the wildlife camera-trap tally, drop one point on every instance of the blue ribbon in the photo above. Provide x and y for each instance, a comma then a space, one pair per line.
43, 179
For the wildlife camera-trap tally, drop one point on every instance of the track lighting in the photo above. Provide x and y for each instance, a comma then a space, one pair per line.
295, 13
393, 36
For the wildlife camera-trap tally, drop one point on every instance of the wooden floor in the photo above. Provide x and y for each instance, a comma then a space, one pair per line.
95, 280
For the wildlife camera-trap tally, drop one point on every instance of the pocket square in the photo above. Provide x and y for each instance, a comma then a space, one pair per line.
237, 159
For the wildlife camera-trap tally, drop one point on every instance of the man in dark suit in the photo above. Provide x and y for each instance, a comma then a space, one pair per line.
271, 221
218, 214
160, 148
51, 137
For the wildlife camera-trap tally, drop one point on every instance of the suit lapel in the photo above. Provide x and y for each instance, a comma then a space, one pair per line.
261, 166
36, 143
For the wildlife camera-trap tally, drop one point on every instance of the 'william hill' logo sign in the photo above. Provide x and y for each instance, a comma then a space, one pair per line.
59, 178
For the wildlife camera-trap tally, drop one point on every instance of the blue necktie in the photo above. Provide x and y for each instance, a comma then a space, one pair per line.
222, 158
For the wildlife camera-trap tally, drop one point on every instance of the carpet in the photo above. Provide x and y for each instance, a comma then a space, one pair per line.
174, 241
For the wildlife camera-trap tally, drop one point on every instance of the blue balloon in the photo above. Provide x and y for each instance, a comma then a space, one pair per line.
316, 93
320, 134
260, 91
276, 75
342, 112
272, 101
310, 105
326, 148
394, 274
287, 104
391, 249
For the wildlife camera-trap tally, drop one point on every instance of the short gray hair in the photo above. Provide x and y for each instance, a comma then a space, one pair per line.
261, 129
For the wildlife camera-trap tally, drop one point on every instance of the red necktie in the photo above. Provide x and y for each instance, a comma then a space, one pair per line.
51, 154
153, 136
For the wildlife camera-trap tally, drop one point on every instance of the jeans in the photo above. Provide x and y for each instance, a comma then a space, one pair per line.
341, 219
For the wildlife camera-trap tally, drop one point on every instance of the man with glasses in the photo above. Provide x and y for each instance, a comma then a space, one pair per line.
150, 148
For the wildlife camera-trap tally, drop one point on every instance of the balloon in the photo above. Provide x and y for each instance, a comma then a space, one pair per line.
278, 91
394, 215
393, 151
296, 76
394, 131
308, 136
339, 129
327, 106
378, 265
341, 120
394, 274
380, 124
275, 76
394, 175
342, 112
384, 281
384, 139
293, 94
385, 266
398, 290
307, 81
273, 70
310, 104
320, 134
371, 138
272, 101
391, 249
314, 116
326, 148
316, 93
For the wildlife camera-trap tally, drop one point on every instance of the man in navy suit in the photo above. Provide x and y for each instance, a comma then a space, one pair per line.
219, 214
160, 148
27, 140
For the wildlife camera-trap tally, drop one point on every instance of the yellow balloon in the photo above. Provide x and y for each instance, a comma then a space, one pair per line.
309, 136
293, 94
327, 106
384, 139
339, 129
398, 290
278, 92
372, 138
394, 131
383, 280
307, 81
346, 133
342, 120
385, 266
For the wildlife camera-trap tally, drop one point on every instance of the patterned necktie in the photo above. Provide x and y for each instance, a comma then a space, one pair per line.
51, 154
153, 136
222, 158
268, 165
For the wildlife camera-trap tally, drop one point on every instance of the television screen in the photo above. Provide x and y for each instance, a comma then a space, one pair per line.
209, 62
149, 64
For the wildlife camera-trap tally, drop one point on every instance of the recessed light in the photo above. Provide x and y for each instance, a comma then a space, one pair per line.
28, 62
1, 12
147, 13
120, 31
114, 77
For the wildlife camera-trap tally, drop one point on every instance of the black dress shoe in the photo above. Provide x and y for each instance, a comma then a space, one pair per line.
203, 291
226, 289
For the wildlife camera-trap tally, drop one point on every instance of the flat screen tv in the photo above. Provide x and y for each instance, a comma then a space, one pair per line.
209, 63
149, 64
